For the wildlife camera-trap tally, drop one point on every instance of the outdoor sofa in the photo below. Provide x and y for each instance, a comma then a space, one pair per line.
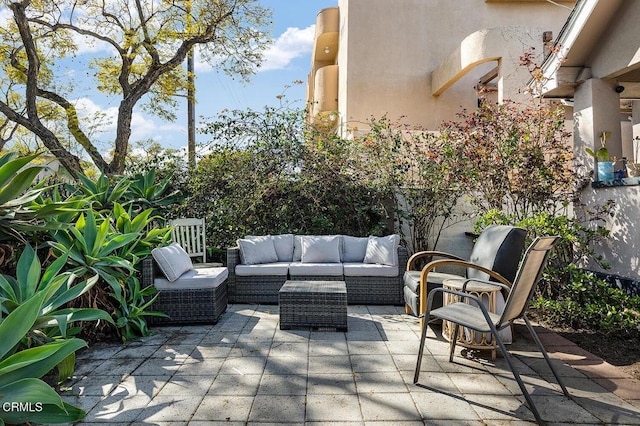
371, 267
187, 293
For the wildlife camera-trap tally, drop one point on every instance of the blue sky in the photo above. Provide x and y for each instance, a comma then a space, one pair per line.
287, 60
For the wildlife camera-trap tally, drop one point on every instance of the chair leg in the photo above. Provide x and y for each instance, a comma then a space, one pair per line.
545, 355
452, 343
423, 336
516, 375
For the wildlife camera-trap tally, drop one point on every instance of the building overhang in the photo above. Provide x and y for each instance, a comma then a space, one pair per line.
569, 64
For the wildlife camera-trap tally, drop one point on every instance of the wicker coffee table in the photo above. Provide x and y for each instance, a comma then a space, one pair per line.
313, 304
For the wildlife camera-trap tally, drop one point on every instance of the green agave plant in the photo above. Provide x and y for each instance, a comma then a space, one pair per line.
21, 208
54, 319
146, 194
25, 397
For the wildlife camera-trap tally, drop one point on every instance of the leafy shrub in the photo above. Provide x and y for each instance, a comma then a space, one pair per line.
267, 172
591, 303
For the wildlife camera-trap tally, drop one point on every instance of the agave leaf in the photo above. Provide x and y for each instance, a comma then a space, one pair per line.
73, 292
17, 324
19, 184
12, 165
28, 272
38, 361
47, 406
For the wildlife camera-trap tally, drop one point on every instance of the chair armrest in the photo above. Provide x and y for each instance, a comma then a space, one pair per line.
429, 255
149, 271
233, 258
461, 263
504, 287
453, 262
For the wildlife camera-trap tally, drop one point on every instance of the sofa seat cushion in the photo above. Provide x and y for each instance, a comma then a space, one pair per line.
307, 269
264, 269
357, 269
412, 279
194, 279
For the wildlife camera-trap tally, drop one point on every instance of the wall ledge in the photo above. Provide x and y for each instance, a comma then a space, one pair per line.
632, 181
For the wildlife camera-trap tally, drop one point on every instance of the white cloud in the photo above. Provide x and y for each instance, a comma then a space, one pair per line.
142, 127
291, 44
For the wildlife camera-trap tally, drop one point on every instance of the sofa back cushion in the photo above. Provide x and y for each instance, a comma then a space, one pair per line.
382, 250
354, 248
172, 260
284, 247
256, 250
320, 249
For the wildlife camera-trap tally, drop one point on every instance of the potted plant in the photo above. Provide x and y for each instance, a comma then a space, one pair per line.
604, 163
633, 167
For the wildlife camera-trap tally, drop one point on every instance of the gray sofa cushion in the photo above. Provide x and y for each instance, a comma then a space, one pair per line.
256, 250
172, 260
354, 248
194, 279
320, 249
383, 250
369, 270
284, 247
307, 269
265, 269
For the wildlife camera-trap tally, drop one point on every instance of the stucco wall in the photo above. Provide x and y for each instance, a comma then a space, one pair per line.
392, 48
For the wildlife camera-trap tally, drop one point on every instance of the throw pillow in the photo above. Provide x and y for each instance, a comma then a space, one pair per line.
284, 247
354, 248
256, 250
172, 260
383, 250
320, 249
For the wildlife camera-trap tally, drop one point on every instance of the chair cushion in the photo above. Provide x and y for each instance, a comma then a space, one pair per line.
369, 270
172, 260
194, 279
499, 248
382, 250
264, 269
256, 250
307, 269
320, 249
354, 248
412, 279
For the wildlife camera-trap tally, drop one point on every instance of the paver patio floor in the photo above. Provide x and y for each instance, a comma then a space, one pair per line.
245, 370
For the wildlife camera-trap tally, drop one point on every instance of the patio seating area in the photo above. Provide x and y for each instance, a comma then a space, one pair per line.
244, 369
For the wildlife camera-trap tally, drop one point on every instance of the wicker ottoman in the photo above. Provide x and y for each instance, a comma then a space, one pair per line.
313, 304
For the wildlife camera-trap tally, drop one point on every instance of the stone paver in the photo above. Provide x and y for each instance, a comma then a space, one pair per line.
245, 370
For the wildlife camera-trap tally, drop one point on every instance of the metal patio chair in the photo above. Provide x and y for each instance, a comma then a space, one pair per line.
475, 316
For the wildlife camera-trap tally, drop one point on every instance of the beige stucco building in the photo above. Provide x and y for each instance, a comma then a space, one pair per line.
597, 70
423, 59
427, 59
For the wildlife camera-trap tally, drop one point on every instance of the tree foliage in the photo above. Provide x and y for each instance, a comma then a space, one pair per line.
146, 43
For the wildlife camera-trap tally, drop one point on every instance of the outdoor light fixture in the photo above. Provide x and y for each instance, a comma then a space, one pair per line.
327, 50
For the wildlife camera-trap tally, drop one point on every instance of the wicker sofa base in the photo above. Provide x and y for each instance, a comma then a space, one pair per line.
362, 290
313, 304
190, 306
256, 289
373, 291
